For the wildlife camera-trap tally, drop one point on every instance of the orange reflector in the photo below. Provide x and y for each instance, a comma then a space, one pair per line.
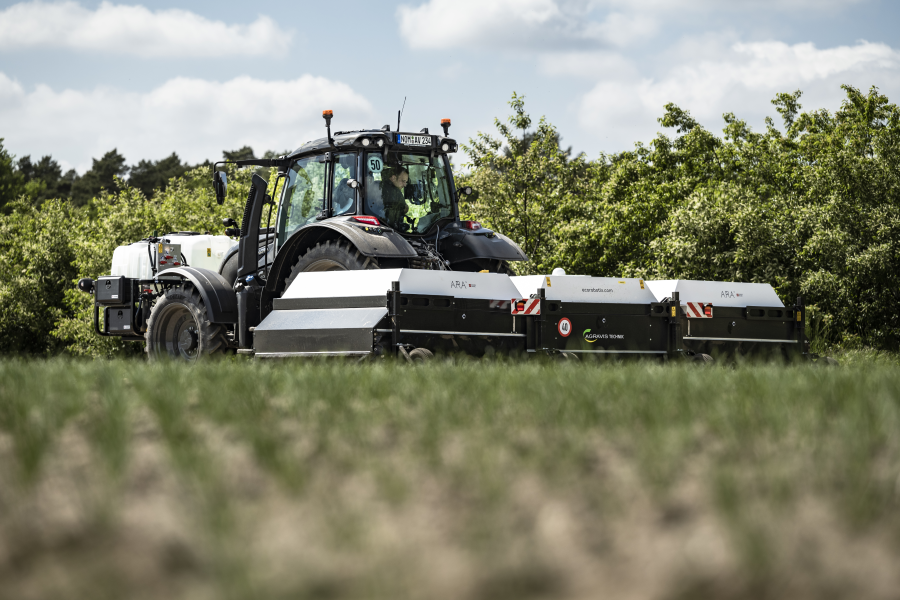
445, 121
327, 113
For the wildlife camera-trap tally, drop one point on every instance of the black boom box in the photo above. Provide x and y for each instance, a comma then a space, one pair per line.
113, 290
118, 320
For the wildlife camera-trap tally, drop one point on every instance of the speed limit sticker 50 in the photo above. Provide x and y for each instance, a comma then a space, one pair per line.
564, 327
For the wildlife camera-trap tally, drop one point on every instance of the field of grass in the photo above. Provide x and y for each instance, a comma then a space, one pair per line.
469, 480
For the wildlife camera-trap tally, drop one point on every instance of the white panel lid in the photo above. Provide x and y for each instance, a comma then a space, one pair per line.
719, 293
581, 288
377, 282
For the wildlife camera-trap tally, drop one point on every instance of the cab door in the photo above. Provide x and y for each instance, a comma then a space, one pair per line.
305, 195
343, 199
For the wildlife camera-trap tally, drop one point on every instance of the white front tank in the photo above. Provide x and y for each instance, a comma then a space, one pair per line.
203, 251
132, 261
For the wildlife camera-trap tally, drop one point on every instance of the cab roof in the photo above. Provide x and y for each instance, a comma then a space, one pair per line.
393, 140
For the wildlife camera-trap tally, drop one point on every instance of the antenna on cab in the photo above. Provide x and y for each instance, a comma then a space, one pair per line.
400, 113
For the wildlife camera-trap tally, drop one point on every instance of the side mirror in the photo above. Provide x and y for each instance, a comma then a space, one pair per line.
220, 185
465, 190
353, 183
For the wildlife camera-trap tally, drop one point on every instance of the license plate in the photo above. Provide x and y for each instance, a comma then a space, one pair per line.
414, 140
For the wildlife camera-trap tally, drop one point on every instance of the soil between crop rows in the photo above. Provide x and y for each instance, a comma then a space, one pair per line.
452, 480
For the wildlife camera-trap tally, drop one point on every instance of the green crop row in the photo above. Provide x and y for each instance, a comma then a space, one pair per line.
457, 479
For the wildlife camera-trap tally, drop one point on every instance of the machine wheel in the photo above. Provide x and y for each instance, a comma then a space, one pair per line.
179, 327
420, 356
331, 255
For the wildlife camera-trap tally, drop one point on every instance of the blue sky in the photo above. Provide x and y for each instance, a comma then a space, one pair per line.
80, 78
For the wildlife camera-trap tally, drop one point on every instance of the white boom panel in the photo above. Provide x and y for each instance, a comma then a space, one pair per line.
719, 293
581, 288
377, 282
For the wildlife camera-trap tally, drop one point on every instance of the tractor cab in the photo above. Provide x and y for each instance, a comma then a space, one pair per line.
372, 198
405, 186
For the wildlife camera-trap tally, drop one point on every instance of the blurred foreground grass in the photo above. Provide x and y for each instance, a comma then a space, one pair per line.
468, 480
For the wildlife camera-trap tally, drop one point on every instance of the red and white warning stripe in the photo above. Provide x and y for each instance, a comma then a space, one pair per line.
698, 310
526, 306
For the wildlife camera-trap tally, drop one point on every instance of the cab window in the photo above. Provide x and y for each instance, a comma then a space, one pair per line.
343, 197
303, 198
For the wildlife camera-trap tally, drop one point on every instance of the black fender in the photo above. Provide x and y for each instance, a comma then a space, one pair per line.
217, 294
387, 244
460, 246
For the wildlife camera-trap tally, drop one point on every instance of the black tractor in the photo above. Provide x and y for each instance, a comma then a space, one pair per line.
368, 199
363, 199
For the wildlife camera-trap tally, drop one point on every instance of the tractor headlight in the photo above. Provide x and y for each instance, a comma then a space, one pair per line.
445, 147
366, 141
379, 142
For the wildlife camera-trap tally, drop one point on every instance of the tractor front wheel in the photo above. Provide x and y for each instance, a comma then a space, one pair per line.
331, 255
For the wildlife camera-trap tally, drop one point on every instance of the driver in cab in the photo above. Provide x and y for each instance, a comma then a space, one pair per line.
392, 185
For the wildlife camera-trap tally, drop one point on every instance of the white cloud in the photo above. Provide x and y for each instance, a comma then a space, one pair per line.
516, 24
557, 25
594, 65
743, 78
195, 118
135, 30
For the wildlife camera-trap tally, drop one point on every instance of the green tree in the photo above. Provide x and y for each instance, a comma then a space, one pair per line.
10, 180
37, 266
522, 181
103, 175
245, 153
150, 175
44, 179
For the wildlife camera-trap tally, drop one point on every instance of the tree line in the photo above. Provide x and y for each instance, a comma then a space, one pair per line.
811, 207
44, 179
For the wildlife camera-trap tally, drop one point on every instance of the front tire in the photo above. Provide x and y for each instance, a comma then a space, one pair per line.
331, 255
179, 328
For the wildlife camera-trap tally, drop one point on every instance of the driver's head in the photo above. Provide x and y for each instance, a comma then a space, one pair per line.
399, 177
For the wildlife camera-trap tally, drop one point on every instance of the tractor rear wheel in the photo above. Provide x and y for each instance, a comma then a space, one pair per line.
179, 328
331, 255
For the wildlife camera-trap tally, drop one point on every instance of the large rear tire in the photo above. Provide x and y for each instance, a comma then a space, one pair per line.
331, 255
179, 328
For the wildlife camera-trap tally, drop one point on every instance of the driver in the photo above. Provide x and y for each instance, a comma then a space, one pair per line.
392, 186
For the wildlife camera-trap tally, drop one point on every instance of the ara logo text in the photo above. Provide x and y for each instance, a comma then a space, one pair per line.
460, 285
